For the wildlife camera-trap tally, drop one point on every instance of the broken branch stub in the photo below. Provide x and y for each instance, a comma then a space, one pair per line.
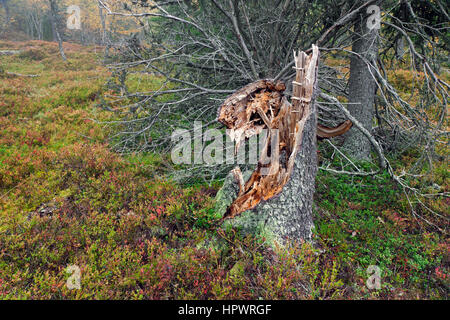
262, 105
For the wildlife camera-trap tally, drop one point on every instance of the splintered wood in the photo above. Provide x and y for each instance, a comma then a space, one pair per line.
262, 105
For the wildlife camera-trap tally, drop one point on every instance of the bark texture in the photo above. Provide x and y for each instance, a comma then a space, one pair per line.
56, 34
288, 215
277, 205
362, 87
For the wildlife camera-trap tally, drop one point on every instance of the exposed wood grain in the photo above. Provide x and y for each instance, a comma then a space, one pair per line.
262, 105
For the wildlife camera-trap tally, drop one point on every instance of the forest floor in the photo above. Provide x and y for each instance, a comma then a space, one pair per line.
67, 199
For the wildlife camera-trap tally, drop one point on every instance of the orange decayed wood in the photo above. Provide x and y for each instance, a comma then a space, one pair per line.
262, 105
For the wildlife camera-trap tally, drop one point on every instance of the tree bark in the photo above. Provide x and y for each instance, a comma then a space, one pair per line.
56, 34
362, 88
105, 38
400, 47
7, 17
288, 214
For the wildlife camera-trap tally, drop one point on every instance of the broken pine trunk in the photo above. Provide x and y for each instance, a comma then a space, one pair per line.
275, 200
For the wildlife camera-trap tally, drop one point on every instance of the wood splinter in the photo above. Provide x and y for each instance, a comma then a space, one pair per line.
262, 105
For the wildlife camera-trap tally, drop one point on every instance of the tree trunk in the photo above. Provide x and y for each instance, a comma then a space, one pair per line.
7, 17
286, 215
400, 47
362, 88
102, 20
105, 40
56, 34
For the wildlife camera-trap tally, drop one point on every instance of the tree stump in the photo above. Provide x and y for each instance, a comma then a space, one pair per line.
275, 200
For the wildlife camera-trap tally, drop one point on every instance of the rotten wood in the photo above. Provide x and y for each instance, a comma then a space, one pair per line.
262, 105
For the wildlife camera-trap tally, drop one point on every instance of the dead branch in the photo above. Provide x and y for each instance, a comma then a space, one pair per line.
22, 75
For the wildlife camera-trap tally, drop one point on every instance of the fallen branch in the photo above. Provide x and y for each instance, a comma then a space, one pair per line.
21, 75
9, 52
